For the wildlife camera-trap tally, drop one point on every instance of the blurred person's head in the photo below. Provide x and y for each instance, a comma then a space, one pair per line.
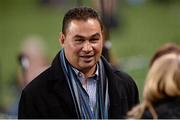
33, 47
32, 58
82, 38
163, 79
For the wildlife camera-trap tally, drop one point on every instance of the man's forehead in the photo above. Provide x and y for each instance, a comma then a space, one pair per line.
80, 27
91, 21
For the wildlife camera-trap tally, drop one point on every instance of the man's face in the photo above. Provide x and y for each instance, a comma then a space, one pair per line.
83, 44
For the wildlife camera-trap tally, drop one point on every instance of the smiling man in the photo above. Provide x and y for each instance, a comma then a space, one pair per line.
80, 82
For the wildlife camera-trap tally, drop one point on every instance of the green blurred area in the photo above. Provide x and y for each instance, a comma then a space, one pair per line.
143, 28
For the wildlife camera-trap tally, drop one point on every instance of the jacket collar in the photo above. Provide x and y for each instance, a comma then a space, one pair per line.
113, 78
60, 85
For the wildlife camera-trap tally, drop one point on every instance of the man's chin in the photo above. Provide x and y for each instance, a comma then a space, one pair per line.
87, 65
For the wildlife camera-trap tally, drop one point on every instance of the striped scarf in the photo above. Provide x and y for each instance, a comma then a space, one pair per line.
82, 106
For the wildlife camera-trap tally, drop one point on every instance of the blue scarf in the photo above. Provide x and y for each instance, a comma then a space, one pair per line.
82, 106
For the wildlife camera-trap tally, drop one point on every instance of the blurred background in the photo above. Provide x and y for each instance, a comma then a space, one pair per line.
136, 29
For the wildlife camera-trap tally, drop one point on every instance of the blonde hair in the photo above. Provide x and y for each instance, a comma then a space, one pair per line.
163, 79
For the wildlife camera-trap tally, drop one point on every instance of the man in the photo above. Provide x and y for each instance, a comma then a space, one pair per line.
80, 83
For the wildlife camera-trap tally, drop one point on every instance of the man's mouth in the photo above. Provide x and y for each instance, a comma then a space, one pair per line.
87, 58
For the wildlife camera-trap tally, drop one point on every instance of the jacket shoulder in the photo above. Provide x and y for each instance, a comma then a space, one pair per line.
124, 78
40, 82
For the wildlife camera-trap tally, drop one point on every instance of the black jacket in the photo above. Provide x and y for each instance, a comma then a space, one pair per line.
168, 108
48, 95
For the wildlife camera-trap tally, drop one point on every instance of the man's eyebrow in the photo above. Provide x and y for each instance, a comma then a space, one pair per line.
79, 36
95, 35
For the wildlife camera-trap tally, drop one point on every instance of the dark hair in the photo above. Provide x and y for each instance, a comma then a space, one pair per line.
80, 13
165, 49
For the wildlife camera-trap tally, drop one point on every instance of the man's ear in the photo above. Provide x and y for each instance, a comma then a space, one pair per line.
61, 39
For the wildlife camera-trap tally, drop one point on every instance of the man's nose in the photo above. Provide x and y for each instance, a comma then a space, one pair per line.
87, 47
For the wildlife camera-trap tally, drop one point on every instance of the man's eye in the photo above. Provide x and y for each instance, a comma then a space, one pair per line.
79, 40
94, 39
